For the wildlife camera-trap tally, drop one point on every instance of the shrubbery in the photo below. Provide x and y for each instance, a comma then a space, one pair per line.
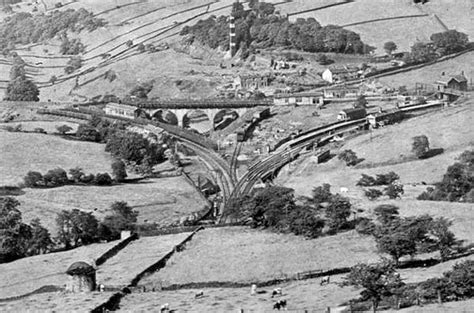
24, 28
18, 239
379, 180
457, 184
349, 157
260, 27
58, 177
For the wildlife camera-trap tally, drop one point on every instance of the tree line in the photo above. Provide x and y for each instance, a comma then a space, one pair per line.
25, 28
75, 228
263, 27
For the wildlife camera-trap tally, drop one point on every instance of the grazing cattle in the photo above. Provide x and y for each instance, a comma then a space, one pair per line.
165, 308
281, 304
325, 281
276, 292
199, 294
253, 290
344, 190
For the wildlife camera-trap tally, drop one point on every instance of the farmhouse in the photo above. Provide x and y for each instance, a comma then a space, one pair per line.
340, 74
120, 110
301, 98
352, 114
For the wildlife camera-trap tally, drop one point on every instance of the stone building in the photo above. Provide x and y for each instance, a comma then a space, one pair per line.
81, 277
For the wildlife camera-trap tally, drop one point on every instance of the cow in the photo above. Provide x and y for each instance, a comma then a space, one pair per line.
344, 190
325, 280
280, 304
165, 308
277, 292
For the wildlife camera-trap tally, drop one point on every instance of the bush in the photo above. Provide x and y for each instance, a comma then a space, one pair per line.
373, 194
349, 157
73, 64
365, 226
55, 177
386, 179
366, 181
63, 129
39, 130
119, 171
71, 47
103, 179
420, 146
393, 191
87, 179
33, 179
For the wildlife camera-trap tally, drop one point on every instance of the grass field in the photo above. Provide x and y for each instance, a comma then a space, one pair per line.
136, 257
22, 152
389, 149
162, 200
28, 274
429, 74
248, 255
48, 126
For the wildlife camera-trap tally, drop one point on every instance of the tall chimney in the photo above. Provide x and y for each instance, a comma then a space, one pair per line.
233, 40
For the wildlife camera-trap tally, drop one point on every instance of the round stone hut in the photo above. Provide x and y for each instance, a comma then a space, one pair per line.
81, 277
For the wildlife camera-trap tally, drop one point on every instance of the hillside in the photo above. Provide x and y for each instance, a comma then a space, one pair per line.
196, 73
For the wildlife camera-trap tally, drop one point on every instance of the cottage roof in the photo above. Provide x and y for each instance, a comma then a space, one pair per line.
298, 94
343, 70
446, 79
80, 268
353, 110
120, 106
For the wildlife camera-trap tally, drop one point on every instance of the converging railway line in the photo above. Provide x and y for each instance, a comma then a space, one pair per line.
224, 173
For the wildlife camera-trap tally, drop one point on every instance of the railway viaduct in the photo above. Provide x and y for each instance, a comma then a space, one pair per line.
177, 111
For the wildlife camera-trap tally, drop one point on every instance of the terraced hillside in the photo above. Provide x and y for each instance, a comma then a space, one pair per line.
195, 72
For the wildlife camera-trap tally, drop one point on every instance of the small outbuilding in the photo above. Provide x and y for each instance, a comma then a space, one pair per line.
82, 277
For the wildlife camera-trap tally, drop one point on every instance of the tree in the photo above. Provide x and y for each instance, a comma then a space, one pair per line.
393, 191
40, 240
324, 60
73, 64
386, 179
33, 179
129, 43
449, 41
389, 47
366, 181
444, 239
103, 179
349, 157
337, 213
322, 194
76, 228
420, 146
403, 236
76, 174
141, 47
123, 217
361, 102
421, 52
63, 129
88, 133
142, 90
378, 280
55, 177
373, 194
119, 171
386, 213
22, 89
14, 234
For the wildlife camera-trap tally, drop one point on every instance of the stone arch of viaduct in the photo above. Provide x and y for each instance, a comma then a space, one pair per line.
181, 113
